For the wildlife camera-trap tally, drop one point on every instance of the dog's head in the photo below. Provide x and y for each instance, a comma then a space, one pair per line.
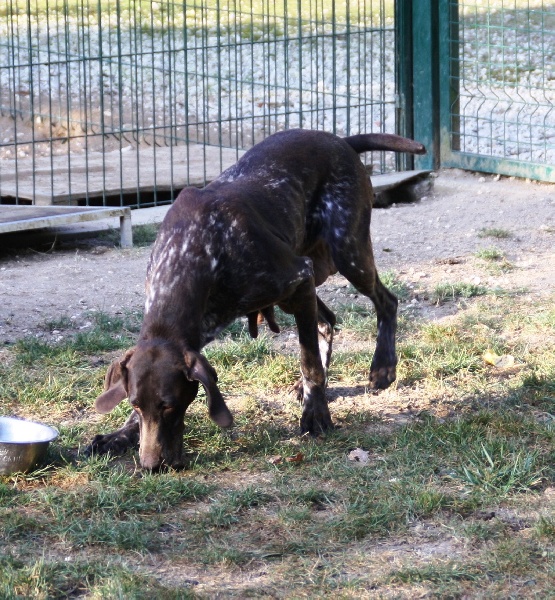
160, 382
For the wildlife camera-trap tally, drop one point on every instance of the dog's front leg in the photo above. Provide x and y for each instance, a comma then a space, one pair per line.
316, 416
117, 442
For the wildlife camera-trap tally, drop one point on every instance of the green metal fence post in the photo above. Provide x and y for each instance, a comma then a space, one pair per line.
425, 23
404, 77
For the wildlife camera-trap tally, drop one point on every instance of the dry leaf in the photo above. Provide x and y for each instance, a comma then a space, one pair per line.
299, 457
505, 361
359, 455
275, 460
500, 362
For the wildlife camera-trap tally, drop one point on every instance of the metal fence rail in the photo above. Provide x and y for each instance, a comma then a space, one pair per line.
127, 101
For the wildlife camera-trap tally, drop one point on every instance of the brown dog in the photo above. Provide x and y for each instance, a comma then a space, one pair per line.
292, 211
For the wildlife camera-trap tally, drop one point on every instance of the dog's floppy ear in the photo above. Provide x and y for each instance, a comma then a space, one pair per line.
197, 368
115, 385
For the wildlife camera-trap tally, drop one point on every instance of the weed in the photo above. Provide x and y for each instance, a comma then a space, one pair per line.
490, 254
495, 259
63, 322
435, 573
494, 232
68, 578
391, 281
359, 321
545, 527
255, 361
501, 470
395, 285
538, 389
143, 235
480, 531
312, 497
451, 291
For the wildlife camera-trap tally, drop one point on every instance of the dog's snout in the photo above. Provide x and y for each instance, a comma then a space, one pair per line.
152, 467
151, 461
157, 464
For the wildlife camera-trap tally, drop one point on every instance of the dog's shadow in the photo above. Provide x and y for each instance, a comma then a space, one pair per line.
334, 393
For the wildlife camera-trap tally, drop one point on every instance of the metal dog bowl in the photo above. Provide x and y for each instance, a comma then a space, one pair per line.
23, 444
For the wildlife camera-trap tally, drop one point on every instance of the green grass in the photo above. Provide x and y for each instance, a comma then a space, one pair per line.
67, 579
461, 464
501, 470
253, 13
395, 285
102, 333
496, 261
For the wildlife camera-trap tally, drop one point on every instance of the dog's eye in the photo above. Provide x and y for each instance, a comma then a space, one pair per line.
137, 409
134, 405
165, 408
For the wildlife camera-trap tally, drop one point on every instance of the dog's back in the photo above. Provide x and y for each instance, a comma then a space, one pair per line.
298, 191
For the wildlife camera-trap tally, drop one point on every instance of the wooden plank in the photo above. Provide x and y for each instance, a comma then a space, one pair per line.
12, 214
69, 178
50, 181
388, 181
25, 218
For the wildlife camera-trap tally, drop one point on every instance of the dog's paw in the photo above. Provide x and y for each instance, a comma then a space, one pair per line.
382, 378
316, 424
298, 389
114, 443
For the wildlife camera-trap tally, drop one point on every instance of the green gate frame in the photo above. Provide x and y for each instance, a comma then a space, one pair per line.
428, 63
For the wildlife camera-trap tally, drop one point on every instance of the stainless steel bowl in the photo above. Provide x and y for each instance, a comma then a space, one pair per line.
23, 444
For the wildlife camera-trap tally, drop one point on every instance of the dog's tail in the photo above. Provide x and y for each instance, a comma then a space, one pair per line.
365, 142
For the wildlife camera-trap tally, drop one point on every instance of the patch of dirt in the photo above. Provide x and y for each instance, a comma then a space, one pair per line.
437, 238
433, 240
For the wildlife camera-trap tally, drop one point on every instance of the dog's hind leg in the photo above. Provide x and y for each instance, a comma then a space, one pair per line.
326, 323
306, 308
358, 267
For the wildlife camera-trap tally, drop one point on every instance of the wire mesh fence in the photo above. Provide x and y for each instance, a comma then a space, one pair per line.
127, 101
504, 71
